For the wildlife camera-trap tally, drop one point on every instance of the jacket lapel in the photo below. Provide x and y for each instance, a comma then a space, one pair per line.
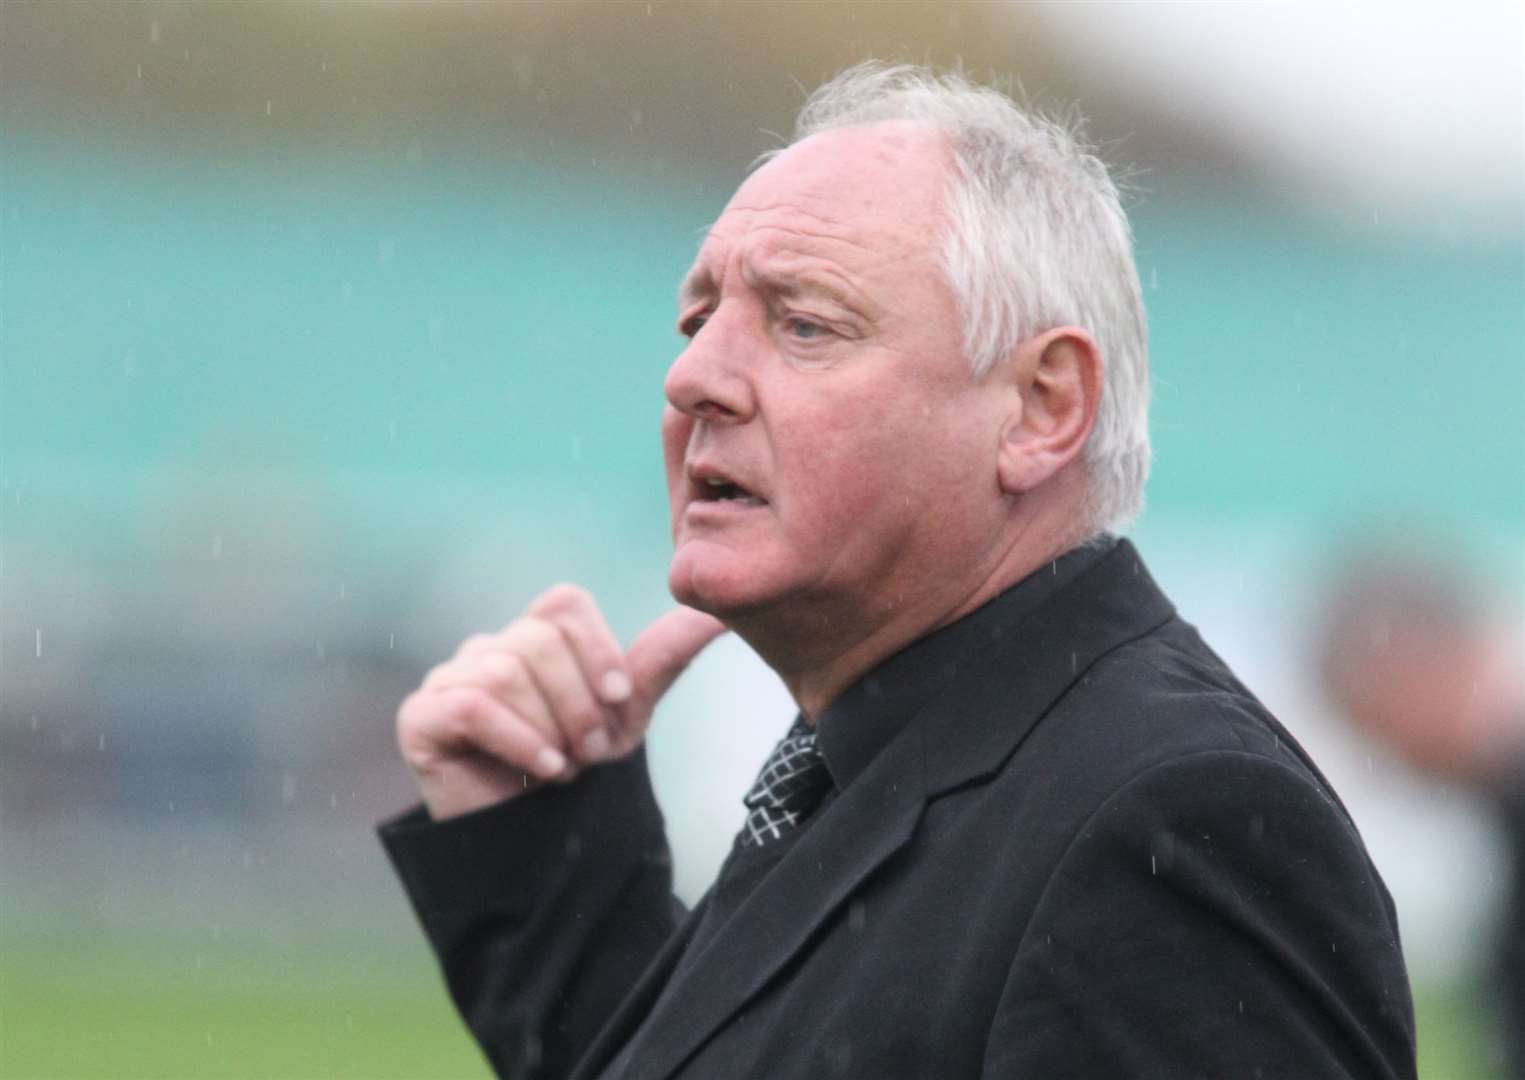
626, 1020
854, 834
1001, 694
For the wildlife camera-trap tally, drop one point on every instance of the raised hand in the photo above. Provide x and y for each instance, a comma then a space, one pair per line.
545, 697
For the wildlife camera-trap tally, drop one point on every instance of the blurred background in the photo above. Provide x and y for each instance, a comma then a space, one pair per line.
330, 334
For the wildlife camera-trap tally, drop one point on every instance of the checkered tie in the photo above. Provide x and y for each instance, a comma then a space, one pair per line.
790, 785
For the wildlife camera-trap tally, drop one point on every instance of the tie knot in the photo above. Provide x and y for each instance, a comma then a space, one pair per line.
791, 783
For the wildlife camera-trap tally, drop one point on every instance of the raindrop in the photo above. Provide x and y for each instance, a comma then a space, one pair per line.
1154, 278
1153, 869
39, 644
140, 72
101, 744
267, 106
153, 32
391, 641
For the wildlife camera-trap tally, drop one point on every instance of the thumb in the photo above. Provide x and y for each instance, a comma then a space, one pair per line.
660, 652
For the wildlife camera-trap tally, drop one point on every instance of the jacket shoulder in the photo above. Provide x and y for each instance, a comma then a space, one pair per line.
1163, 696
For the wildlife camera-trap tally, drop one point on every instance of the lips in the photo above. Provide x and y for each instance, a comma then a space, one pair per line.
708, 484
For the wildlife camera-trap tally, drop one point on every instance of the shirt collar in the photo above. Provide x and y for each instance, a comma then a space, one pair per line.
868, 714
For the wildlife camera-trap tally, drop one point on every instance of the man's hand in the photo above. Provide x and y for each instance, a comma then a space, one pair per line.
548, 695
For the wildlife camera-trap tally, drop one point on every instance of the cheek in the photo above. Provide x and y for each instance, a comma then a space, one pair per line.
878, 469
843, 468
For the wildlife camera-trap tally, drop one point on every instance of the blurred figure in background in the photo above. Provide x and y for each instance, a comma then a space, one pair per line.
1416, 660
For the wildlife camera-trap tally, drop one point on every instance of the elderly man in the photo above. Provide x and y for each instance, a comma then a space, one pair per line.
1026, 824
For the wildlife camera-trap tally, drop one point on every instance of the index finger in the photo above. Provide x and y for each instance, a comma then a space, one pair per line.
573, 611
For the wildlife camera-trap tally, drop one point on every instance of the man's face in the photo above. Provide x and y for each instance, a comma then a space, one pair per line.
826, 449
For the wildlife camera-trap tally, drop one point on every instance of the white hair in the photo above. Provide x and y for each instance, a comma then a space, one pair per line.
1036, 239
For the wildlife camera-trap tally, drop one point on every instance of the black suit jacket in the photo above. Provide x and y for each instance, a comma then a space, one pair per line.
1091, 854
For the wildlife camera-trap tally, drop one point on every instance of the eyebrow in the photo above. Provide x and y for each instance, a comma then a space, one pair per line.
700, 283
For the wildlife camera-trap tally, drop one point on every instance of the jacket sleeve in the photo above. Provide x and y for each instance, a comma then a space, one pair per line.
543, 910
1217, 916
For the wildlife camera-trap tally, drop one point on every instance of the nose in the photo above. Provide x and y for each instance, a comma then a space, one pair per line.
708, 380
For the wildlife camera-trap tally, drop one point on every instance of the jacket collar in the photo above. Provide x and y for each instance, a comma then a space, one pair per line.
869, 714
973, 722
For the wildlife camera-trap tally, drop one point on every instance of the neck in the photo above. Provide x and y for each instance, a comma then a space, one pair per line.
820, 649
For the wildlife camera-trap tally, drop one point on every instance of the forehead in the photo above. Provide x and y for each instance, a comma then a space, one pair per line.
858, 196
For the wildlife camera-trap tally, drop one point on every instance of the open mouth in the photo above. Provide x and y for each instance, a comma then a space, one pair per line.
715, 489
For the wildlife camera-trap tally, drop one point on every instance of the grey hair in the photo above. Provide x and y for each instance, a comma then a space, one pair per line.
1036, 239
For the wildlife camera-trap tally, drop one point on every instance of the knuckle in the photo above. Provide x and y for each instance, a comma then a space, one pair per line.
500, 672
561, 598
467, 711
531, 639
474, 643
432, 719
407, 713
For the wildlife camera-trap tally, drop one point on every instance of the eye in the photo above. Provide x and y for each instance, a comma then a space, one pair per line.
693, 324
804, 329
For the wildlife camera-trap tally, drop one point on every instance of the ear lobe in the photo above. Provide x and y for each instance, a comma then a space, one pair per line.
1057, 377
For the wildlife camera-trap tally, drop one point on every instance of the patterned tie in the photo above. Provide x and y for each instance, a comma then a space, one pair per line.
790, 785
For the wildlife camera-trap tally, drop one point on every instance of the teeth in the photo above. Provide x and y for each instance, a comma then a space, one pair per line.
715, 482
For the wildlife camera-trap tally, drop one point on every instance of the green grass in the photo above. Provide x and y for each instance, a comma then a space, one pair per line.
1454, 1043
133, 1009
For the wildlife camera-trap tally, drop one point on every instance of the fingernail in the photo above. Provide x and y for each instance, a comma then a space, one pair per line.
615, 686
596, 745
550, 762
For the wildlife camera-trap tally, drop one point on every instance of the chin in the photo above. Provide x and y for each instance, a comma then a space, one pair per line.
714, 580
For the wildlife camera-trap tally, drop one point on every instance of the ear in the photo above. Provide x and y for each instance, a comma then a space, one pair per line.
1057, 379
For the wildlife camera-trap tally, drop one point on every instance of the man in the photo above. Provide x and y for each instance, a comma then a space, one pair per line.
1027, 824
1414, 659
